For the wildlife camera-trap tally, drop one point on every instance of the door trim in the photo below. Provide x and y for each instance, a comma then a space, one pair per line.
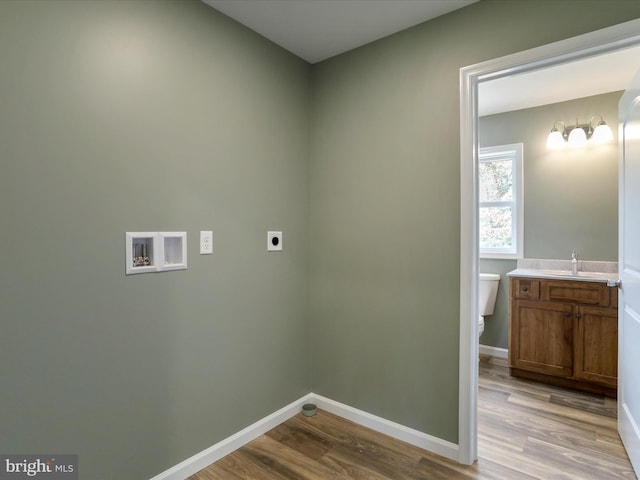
602, 41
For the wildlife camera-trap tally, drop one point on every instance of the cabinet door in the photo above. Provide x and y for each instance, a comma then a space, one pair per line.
541, 337
596, 345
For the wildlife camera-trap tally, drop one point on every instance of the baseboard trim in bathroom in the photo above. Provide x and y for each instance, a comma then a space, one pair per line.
494, 351
197, 462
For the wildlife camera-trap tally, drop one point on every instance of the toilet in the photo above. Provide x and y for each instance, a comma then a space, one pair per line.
487, 293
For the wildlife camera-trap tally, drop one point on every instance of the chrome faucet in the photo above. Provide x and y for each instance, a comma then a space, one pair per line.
574, 263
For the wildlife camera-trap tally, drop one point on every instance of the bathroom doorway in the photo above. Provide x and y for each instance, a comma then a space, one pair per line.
597, 43
570, 194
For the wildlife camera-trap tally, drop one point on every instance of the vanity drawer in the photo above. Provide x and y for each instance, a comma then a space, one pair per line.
525, 288
585, 293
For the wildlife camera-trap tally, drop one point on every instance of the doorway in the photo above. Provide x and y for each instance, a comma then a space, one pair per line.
608, 40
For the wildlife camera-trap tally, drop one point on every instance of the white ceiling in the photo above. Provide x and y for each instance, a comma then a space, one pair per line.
584, 78
319, 29
316, 30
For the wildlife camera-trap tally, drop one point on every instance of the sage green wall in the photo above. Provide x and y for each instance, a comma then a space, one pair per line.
147, 115
385, 219
165, 115
496, 326
570, 195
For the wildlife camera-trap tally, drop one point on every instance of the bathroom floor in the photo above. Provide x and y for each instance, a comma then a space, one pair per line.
526, 430
546, 432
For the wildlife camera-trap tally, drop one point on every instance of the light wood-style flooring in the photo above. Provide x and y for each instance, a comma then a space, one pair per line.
526, 431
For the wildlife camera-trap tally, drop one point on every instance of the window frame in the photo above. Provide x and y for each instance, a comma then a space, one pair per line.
499, 152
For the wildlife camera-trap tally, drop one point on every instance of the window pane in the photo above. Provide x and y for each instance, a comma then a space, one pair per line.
496, 227
496, 180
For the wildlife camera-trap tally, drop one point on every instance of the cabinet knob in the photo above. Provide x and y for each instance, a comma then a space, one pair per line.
578, 315
567, 314
525, 289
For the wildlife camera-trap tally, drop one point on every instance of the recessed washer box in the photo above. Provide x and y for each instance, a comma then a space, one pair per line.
274, 241
174, 248
147, 252
141, 252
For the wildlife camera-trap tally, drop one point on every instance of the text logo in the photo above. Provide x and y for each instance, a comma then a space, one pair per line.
39, 467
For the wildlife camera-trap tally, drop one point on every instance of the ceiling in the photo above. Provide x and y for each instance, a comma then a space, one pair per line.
610, 72
315, 30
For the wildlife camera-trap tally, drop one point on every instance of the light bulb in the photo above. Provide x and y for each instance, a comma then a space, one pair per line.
555, 140
602, 134
577, 137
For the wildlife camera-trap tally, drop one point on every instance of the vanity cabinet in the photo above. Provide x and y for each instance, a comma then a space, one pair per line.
564, 332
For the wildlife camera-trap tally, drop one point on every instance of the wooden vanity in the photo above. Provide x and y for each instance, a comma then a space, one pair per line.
564, 332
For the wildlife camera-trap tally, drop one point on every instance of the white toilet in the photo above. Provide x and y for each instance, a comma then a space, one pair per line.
487, 293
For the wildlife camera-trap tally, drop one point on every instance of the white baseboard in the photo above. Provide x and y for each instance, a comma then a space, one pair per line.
214, 453
230, 444
387, 427
494, 351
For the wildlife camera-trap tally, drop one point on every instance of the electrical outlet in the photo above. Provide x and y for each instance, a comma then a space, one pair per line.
274, 241
206, 242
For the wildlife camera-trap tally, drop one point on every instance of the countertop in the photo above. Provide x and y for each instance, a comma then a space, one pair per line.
603, 277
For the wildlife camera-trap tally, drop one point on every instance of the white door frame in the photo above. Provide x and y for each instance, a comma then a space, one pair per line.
601, 41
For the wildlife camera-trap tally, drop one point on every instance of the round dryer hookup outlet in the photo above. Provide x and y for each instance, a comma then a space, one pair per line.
274, 241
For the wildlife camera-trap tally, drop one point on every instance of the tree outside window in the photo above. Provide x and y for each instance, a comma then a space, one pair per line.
500, 201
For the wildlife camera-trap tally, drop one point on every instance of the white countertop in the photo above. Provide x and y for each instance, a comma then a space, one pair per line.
603, 277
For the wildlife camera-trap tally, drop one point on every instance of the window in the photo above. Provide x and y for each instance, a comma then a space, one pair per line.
500, 201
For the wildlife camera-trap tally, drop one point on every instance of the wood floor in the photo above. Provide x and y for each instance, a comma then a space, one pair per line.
526, 431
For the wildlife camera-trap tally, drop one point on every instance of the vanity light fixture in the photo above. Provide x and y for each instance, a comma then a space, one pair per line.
577, 135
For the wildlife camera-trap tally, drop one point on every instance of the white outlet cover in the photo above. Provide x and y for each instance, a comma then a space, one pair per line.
274, 241
206, 242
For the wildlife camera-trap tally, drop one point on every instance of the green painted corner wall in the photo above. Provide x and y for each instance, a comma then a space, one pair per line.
496, 326
151, 115
147, 115
385, 190
570, 195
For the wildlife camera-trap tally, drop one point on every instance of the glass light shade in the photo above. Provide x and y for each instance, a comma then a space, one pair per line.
555, 140
602, 134
577, 137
